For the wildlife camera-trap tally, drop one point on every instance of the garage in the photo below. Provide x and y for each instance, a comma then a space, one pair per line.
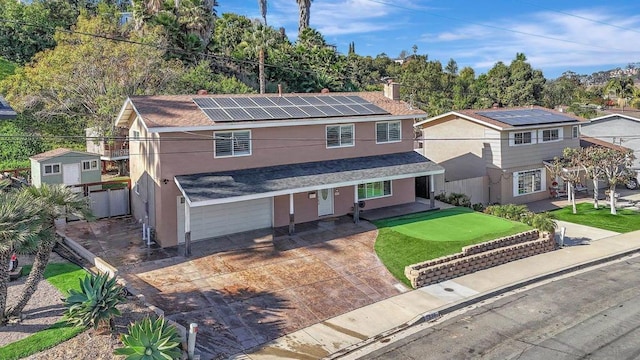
223, 219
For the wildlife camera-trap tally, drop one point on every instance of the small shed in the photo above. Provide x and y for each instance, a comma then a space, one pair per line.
65, 166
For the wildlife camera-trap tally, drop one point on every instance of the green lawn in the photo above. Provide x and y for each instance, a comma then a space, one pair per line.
414, 238
624, 221
63, 277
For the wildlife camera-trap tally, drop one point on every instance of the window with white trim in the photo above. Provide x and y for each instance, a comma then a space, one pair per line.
549, 135
388, 131
340, 135
574, 132
136, 135
51, 169
136, 188
88, 165
522, 138
232, 143
374, 190
528, 182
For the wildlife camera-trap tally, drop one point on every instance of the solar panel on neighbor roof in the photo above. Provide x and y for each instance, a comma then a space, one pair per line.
285, 107
525, 117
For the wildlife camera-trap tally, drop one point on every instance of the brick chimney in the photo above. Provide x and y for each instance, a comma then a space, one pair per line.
392, 90
202, 92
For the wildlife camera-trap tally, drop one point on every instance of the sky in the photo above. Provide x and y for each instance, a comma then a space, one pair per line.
583, 36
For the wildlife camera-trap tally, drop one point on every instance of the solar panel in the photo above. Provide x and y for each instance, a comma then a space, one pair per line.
225, 102
205, 103
217, 114
345, 110
258, 113
285, 107
523, 117
277, 113
295, 112
238, 114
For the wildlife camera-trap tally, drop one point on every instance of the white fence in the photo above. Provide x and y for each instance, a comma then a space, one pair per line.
108, 203
475, 188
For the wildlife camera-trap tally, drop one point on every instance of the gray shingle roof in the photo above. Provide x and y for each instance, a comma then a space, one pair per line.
281, 179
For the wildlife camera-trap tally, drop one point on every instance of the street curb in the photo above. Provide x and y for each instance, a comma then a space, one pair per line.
447, 309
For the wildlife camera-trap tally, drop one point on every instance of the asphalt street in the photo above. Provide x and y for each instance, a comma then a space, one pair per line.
591, 315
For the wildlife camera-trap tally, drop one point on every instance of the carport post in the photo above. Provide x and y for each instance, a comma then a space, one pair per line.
432, 191
187, 229
356, 206
292, 225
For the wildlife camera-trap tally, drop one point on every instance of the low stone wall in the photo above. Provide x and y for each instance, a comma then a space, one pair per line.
479, 257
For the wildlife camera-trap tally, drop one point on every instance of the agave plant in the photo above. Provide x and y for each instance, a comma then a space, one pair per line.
150, 340
95, 303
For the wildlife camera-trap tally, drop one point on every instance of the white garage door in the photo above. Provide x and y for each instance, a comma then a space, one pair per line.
218, 220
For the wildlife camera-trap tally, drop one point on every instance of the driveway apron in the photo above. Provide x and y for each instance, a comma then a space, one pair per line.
247, 296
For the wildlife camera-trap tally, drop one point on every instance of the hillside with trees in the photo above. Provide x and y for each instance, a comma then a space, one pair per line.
70, 65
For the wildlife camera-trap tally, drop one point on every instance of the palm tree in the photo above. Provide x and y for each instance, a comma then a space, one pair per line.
19, 225
263, 10
54, 201
304, 7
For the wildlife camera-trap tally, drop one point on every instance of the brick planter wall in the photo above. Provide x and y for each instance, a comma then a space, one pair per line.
479, 257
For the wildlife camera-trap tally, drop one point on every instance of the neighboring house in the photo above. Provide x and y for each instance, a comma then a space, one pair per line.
213, 165
65, 166
115, 149
6, 112
617, 129
504, 146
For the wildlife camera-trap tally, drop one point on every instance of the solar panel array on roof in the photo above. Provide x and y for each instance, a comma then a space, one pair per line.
285, 107
526, 117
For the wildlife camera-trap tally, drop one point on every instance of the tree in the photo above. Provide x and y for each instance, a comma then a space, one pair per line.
569, 170
304, 9
590, 159
20, 223
263, 10
615, 165
53, 201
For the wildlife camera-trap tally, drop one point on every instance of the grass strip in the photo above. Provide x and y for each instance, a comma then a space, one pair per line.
63, 276
407, 240
625, 221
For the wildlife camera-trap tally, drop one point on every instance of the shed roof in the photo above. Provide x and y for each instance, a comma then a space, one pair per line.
59, 152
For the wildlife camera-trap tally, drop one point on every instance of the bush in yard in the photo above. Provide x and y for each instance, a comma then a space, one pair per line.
455, 199
150, 340
509, 211
95, 303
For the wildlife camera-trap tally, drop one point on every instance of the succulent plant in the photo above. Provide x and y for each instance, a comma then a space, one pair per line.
95, 303
151, 339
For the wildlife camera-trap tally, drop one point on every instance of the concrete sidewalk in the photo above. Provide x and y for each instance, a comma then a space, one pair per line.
343, 335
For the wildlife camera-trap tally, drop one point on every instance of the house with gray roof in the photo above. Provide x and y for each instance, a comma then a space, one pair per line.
208, 166
65, 166
504, 149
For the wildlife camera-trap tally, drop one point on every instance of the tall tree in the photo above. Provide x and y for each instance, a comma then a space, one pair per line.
53, 201
304, 9
616, 165
263, 10
569, 170
20, 224
590, 159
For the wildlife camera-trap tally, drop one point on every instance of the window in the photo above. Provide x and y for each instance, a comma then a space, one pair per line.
88, 165
136, 135
527, 182
388, 131
136, 188
522, 138
232, 143
574, 132
551, 135
52, 169
339, 135
374, 190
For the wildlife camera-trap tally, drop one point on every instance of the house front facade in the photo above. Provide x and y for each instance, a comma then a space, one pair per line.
213, 165
506, 146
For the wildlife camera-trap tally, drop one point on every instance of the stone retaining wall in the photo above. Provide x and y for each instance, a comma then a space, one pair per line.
479, 257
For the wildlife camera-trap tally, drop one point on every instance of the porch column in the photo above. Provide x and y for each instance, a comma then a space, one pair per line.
291, 215
187, 229
432, 191
356, 207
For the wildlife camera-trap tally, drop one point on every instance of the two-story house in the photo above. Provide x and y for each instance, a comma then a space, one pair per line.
205, 166
506, 146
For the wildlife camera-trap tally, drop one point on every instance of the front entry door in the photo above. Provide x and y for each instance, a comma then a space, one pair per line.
71, 174
325, 202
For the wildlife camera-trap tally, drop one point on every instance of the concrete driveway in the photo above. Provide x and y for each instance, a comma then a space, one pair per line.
266, 285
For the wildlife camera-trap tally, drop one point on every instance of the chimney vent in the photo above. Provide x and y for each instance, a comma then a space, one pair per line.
279, 89
392, 91
324, 91
202, 92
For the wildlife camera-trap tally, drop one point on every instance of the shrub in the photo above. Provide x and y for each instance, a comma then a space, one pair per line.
95, 303
455, 199
543, 221
151, 339
478, 207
